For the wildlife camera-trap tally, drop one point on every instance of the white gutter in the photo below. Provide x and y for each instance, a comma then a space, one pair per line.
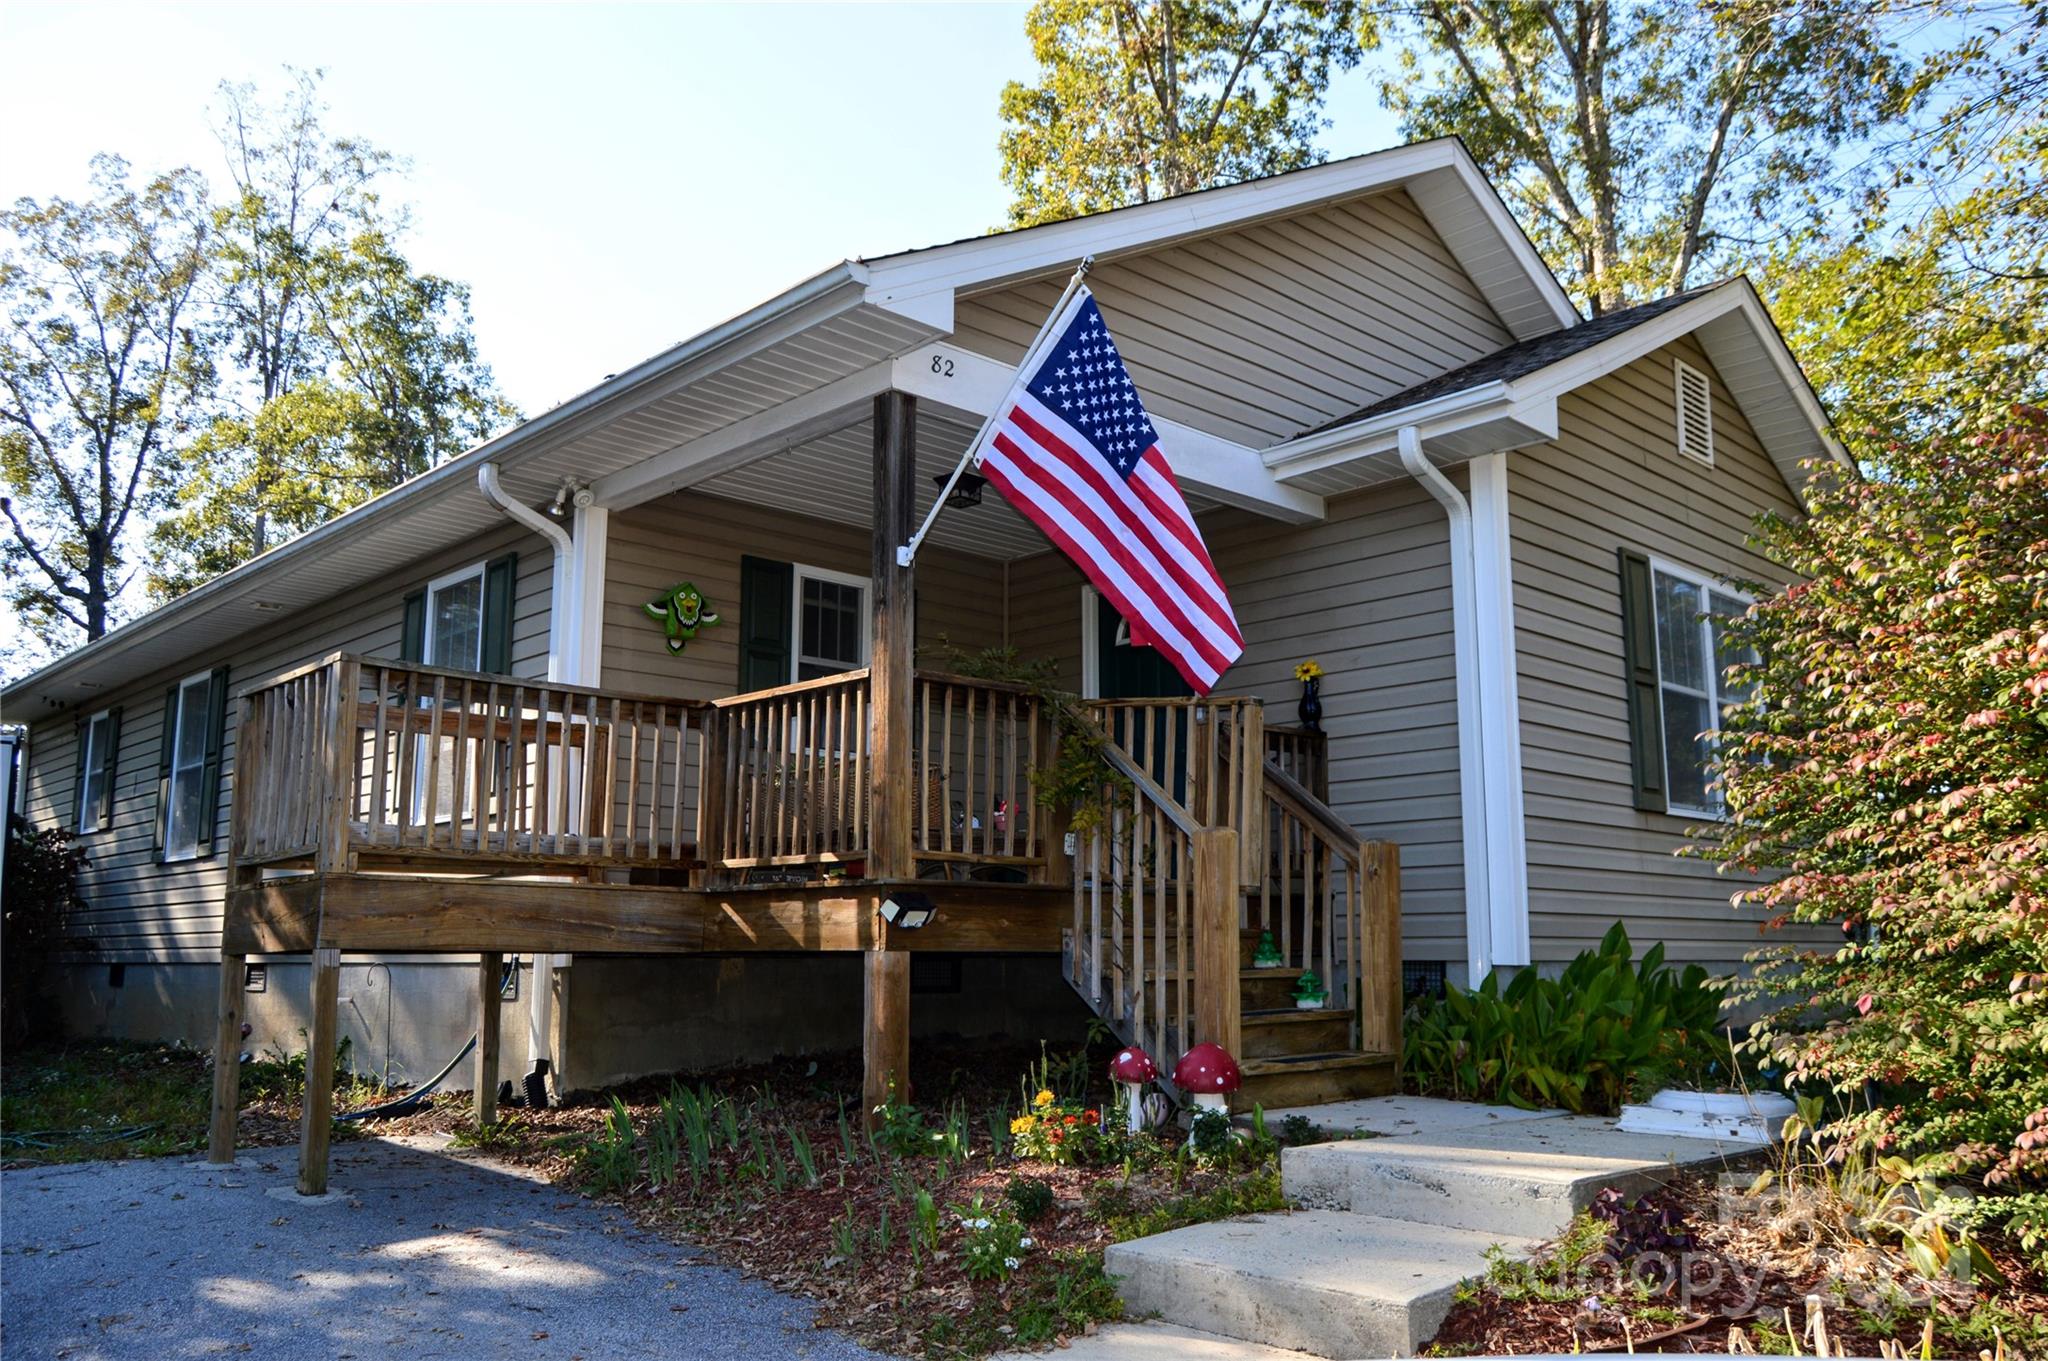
562, 637
1471, 741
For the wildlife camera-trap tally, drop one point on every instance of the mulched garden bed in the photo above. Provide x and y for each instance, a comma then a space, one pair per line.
1716, 1277
851, 1240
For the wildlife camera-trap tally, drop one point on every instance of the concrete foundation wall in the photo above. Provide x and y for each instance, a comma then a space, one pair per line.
617, 1017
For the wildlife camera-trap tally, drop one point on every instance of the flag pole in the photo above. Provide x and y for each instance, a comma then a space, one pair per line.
907, 553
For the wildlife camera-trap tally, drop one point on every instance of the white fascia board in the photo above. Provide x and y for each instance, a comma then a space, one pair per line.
817, 412
898, 281
1532, 399
1521, 420
1203, 463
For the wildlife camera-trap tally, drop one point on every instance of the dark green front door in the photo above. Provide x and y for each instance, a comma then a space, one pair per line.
1128, 672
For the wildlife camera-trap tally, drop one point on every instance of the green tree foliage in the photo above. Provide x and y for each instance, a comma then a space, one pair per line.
1138, 99
1891, 767
1929, 311
354, 372
103, 372
1642, 143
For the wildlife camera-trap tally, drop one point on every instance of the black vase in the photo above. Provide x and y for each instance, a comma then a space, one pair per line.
1311, 707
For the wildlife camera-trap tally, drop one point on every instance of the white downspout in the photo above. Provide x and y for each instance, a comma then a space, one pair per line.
1471, 739
562, 666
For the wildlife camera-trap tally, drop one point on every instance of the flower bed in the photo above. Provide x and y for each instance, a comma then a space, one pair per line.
960, 1227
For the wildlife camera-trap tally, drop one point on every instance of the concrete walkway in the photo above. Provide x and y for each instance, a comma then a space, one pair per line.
1402, 1206
414, 1253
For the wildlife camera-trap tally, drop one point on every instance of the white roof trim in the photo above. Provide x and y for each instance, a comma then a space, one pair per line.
1737, 299
908, 281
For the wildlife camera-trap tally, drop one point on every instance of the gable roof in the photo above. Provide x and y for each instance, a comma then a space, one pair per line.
1522, 358
832, 327
1508, 399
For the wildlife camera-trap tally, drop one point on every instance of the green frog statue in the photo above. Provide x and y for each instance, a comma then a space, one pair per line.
1309, 994
1267, 955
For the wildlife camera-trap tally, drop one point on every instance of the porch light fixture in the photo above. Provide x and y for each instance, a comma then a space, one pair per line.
966, 492
908, 909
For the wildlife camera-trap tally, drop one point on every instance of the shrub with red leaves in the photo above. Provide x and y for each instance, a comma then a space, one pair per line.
1892, 766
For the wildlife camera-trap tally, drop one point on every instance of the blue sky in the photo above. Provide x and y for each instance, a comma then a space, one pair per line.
609, 179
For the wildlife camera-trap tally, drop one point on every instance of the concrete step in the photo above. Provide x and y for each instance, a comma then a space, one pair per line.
1326, 1282
1155, 1341
1515, 1179
1309, 1079
1271, 1032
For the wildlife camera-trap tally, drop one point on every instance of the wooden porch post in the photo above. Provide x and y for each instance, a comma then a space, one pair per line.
891, 643
227, 1060
1379, 1019
885, 1026
885, 988
1218, 1010
317, 1117
490, 967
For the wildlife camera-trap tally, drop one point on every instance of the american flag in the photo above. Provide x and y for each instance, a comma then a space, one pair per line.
1074, 451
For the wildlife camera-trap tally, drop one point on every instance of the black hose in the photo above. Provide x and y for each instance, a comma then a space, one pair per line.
407, 1104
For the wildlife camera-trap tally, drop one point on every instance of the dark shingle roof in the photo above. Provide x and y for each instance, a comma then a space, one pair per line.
1521, 358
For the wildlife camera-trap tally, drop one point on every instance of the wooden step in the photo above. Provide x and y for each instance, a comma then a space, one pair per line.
1314, 1079
1279, 1032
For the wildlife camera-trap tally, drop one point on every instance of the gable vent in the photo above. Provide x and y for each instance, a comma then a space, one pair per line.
1695, 414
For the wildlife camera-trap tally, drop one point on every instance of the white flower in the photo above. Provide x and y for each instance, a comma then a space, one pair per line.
1023, 1242
1012, 1263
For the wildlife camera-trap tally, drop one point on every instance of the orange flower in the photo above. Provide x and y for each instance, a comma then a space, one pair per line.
1073, 1120
1092, 1117
1056, 1135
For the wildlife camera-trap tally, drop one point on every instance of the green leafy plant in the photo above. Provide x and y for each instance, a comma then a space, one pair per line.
1032, 1198
995, 1241
38, 894
1582, 1041
1888, 779
609, 1159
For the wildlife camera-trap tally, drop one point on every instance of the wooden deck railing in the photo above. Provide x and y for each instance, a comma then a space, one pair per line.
350, 756
975, 745
787, 777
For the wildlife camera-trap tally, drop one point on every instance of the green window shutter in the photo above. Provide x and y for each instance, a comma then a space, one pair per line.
501, 576
1639, 653
766, 628
110, 760
412, 639
209, 777
163, 770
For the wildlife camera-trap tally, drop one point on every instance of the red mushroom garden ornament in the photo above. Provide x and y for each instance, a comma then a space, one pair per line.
1134, 1068
1208, 1074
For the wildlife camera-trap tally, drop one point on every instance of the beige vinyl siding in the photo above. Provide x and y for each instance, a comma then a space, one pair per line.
1261, 332
1045, 614
1614, 478
1367, 593
138, 910
700, 539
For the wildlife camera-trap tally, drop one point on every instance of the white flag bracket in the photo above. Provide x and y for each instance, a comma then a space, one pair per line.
907, 553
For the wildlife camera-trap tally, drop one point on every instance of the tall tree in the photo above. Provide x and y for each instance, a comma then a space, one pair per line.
102, 374
298, 195
353, 371
1138, 99
1928, 312
1641, 143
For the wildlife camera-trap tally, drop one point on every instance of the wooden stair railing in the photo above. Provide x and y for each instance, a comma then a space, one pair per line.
1168, 905
1155, 899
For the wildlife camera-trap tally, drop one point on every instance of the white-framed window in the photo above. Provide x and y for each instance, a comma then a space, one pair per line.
186, 798
455, 620
831, 614
96, 771
1695, 400
1694, 653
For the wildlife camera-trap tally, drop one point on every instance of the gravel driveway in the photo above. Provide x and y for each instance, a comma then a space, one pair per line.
415, 1253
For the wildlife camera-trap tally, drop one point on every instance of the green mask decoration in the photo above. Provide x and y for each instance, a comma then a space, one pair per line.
681, 611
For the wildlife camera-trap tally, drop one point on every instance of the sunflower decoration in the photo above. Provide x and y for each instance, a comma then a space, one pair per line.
1308, 671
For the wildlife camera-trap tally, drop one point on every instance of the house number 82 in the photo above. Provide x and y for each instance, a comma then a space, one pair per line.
942, 366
